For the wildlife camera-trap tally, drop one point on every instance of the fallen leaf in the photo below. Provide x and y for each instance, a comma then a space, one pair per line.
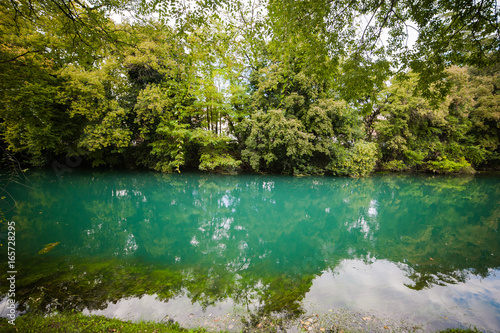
48, 247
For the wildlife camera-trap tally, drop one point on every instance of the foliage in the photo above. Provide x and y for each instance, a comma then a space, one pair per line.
447, 136
212, 162
394, 165
94, 99
32, 117
459, 33
76, 322
216, 153
277, 143
61, 31
242, 89
358, 160
298, 128
443, 165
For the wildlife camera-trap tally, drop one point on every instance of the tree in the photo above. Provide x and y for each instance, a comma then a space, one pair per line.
454, 135
96, 102
485, 115
63, 30
39, 40
198, 94
32, 117
277, 143
300, 126
459, 32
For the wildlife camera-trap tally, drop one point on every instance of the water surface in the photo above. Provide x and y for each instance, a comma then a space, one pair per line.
140, 245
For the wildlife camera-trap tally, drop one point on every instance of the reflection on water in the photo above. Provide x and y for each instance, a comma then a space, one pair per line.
375, 289
361, 286
420, 248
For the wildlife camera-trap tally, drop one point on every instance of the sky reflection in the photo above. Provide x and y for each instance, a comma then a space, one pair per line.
422, 249
379, 288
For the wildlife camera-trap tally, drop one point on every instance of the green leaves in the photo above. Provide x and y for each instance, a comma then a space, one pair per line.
356, 161
358, 39
170, 146
291, 86
301, 126
214, 161
277, 143
443, 165
438, 136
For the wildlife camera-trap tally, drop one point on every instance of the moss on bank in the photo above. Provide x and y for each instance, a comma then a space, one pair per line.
76, 322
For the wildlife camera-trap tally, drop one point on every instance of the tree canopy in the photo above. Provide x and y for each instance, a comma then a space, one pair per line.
298, 87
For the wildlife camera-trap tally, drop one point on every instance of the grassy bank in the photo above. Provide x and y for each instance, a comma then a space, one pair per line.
69, 323
76, 322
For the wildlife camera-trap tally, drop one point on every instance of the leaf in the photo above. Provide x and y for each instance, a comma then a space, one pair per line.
48, 248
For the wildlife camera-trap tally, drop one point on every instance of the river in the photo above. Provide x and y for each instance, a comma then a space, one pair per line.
414, 251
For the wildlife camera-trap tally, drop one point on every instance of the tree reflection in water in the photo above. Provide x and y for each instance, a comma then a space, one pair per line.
259, 241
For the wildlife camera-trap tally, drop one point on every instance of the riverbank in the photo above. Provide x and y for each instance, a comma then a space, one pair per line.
77, 322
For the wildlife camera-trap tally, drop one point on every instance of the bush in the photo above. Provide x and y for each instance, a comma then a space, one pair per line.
394, 165
444, 165
357, 161
276, 143
219, 163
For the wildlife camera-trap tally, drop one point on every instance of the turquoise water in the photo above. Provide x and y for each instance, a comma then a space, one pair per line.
142, 245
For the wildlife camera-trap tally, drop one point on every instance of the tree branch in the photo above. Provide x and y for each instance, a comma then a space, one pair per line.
19, 56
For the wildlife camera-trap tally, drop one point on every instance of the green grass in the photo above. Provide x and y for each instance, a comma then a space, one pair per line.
81, 323
77, 322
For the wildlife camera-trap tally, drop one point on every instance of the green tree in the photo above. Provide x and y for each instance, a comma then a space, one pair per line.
184, 111
277, 143
448, 136
301, 126
460, 33
95, 99
32, 117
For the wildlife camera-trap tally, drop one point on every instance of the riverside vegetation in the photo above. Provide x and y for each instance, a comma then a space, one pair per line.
228, 85
287, 87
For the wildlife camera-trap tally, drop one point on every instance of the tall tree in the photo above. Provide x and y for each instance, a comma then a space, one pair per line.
453, 135
354, 32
